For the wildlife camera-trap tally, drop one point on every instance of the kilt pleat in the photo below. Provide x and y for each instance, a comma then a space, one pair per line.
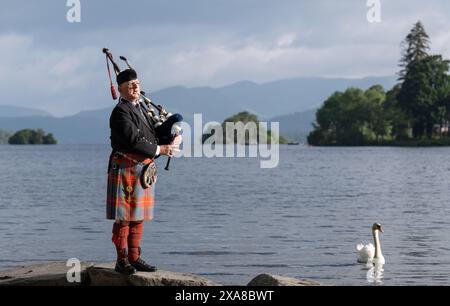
126, 199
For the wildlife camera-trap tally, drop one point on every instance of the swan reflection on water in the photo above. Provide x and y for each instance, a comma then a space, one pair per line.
375, 273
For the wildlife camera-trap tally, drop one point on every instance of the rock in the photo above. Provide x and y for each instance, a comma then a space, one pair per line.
49, 274
55, 274
104, 275
276, 280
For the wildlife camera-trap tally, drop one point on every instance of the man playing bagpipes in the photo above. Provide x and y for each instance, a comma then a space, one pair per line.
132, 173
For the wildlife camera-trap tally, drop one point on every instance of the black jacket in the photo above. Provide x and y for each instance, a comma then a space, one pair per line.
130, 132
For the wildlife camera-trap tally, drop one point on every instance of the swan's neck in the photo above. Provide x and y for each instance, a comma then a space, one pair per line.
376, 239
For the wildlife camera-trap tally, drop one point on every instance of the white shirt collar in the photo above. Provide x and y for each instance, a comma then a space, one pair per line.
134, 103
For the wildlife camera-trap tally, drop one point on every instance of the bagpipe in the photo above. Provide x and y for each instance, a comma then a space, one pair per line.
166, 124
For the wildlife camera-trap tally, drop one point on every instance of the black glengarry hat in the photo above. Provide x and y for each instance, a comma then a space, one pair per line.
126, 75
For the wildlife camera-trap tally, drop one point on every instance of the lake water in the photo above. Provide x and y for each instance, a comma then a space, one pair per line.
228, 220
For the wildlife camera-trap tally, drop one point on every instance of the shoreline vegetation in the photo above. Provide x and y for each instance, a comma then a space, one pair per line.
245, 129
27, 137
414, 113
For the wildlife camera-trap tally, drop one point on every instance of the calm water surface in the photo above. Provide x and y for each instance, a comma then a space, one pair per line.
229, 220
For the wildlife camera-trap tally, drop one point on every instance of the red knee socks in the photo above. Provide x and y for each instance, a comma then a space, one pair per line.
134, 240
120, 235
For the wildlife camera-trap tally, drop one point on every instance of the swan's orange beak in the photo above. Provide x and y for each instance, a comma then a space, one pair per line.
381, 229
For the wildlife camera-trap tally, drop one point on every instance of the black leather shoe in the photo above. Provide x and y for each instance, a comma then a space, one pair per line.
142, 266
123, 266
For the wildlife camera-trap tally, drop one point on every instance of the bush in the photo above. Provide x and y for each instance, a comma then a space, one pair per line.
28, 136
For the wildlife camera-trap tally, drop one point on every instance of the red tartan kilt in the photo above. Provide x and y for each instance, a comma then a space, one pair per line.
126, 200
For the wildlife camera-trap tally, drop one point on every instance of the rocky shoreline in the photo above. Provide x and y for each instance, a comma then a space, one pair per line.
55, 274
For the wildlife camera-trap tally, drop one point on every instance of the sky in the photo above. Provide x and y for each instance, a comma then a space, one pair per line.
49, 63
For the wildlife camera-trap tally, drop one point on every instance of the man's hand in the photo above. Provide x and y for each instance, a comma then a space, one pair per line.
176, 143
165, 150
173, 147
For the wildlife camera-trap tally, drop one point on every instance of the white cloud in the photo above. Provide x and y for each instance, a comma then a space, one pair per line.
42, 69
64, 71
262, 61
39, 77
286, 40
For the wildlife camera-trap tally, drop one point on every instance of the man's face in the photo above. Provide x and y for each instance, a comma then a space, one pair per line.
130, 90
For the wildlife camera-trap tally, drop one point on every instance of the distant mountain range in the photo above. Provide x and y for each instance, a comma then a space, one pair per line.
296, 126
291, 102
15, 111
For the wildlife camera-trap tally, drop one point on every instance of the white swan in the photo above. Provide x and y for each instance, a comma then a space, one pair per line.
372, 254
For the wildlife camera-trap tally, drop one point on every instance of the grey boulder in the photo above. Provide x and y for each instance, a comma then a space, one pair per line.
276, 280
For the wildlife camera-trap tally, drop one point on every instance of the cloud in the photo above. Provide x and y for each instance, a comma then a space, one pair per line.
51, 64
38, 76
215, 62
39, 68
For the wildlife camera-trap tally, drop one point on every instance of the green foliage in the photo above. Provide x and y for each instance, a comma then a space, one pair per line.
28, 136
425, 91
415, 48
417, 107
245, 119
49, 139
400, 123
353, 117
21, 137
424, 94
275, 138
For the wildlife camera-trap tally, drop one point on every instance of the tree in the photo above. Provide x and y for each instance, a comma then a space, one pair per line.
243, 117
49, 139
422, 94
21, 137
28, 136
243, 124
378, 119
395, 116
418, 104
37, 136
415, 48
350, 118
444, 98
